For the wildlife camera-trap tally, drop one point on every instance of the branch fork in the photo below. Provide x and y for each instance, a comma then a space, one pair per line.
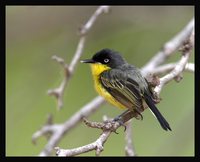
69, 69
55, 132
97, 145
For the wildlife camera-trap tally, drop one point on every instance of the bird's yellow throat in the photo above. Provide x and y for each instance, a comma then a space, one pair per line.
97, 69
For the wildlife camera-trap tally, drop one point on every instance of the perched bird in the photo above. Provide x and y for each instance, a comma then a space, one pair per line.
122, 84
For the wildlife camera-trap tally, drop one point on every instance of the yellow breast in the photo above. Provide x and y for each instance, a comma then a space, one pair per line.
97, 69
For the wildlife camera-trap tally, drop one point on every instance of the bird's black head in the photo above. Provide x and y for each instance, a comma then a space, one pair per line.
108, 57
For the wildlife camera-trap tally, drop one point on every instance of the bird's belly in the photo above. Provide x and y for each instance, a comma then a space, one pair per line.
97, 69
102, 92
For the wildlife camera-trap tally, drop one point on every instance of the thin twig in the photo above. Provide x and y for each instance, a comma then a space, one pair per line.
129, 149
93, 18
158, 59
57, 131
177, 71
69, 70
108, 127
96, 145
189, 67
169, 48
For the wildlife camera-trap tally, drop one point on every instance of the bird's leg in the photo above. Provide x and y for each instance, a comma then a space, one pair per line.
124, 117
117, 118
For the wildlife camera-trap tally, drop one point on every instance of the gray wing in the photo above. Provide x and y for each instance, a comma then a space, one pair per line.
129, 93
123, 88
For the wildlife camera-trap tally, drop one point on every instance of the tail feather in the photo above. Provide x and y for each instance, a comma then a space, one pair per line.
164, 124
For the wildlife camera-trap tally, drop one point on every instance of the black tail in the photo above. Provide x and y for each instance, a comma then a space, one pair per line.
161, 119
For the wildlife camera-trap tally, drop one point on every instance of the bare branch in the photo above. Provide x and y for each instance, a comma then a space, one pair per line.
69, 70
93, 18
98, 144
108, 127
129, 150
77, 55
168, 49
57, 131
177, 71
59, 60
189, 67
174, 73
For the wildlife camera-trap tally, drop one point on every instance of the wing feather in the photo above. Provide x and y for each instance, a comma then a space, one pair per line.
124, 89
129, 93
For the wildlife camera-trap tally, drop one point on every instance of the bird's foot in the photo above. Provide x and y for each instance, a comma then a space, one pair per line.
120, 121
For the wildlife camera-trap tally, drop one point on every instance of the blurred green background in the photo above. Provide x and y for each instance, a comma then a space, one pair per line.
35, 33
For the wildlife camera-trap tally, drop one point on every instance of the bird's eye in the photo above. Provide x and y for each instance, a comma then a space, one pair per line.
106, 60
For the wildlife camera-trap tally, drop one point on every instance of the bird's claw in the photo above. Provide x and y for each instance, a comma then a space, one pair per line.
118, 119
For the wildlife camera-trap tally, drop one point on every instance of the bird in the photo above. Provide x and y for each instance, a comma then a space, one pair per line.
123, 85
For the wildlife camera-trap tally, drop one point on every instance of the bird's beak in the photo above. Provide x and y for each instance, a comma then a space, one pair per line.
88, 61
